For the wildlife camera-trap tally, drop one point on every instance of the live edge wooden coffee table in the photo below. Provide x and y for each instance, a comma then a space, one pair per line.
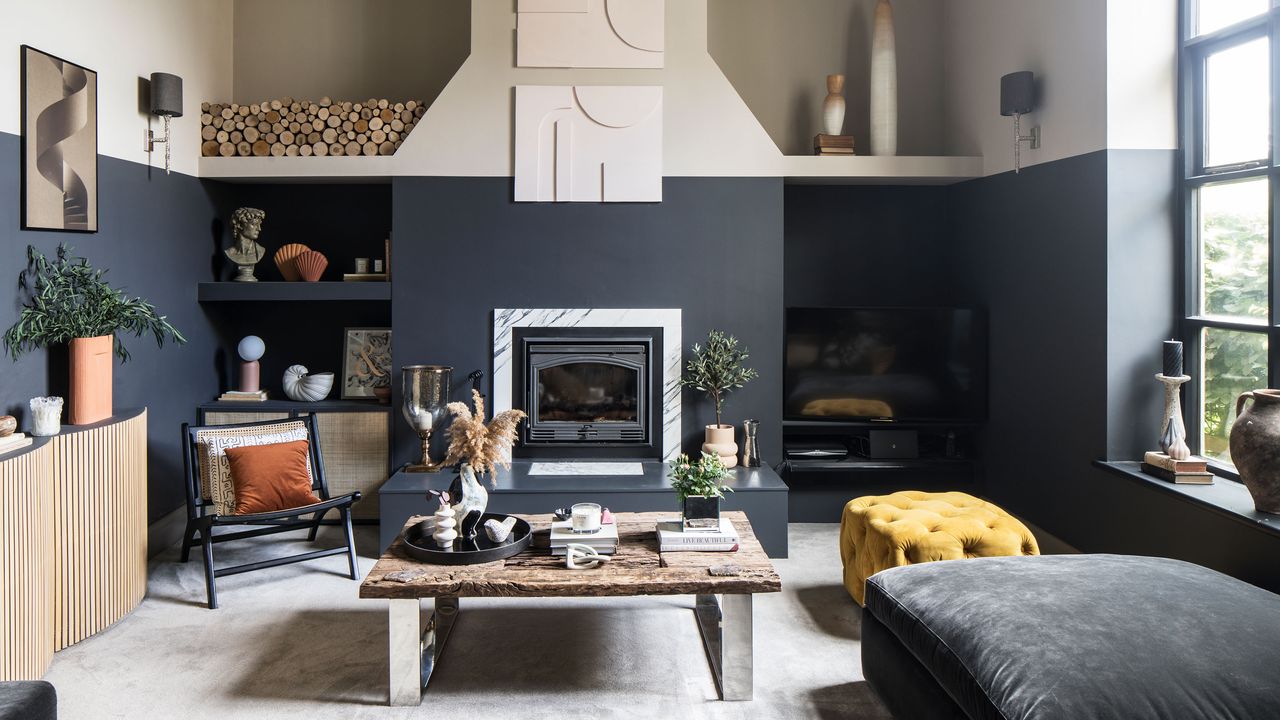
637, 569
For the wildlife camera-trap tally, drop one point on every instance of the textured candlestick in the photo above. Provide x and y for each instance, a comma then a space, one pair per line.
1172, 358
1173, 433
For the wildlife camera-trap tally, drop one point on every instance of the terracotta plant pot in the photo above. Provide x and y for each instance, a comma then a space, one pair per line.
1255, 447
91, 360
719, 441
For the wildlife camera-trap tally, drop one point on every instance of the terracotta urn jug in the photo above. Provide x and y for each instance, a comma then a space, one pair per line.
720, 442
1255, 447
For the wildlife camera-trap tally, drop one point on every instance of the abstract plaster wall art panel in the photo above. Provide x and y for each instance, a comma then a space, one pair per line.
590, 33
59, 144
588, 143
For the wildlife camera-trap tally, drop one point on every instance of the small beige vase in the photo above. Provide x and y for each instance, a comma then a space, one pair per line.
719, 442
833, 106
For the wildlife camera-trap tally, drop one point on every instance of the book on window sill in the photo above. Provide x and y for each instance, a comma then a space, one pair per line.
240, 396
1194, 464
671, 533
1180, 478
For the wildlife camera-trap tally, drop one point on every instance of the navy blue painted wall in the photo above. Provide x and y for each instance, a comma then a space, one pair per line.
712, 247
154, 236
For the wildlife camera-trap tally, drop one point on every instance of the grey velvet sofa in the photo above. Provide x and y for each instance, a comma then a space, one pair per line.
28, 700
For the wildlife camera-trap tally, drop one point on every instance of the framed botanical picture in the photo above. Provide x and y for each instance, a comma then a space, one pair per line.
59, 144
366, 362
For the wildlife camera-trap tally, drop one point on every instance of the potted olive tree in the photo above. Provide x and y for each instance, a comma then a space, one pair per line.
67, 301
699, 488
717, 369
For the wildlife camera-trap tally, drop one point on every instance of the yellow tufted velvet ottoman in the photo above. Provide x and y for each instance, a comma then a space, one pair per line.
878, 532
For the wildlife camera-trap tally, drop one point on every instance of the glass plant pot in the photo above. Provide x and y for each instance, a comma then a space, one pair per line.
701, 512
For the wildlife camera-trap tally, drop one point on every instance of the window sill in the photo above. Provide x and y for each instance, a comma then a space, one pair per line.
1225, 497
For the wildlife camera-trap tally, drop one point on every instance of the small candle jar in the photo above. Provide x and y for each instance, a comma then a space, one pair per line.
46, 416
377, 265
362, 265
585, 517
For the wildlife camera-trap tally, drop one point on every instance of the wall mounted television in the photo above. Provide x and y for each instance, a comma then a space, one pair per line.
909, 365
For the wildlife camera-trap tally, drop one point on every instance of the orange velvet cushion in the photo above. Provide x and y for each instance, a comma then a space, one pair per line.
270, 477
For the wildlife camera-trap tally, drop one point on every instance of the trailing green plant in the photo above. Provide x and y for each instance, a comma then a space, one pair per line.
717, 368
66, 298
699, 479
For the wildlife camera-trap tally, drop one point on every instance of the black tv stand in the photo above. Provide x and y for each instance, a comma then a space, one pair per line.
820, 487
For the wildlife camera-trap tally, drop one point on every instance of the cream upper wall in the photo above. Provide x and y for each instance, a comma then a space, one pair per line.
1142, 74
123, 40
778, 54
1064, 42
347, 49
708, 129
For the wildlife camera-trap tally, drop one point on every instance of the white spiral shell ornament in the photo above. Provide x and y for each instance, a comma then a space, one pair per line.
305, 387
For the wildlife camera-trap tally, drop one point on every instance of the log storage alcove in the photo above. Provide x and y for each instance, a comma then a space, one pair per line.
73, 539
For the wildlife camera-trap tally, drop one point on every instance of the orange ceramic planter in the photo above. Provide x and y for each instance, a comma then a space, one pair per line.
90, 379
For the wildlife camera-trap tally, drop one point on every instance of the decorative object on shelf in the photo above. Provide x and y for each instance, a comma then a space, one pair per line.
311, 265
585, 517
1017, 98
424, 393
884, 83
364, 277
588, 143
366, 362
717, 369
578, 556
303, 386
8, 424
289, 127
833, 106
833, 145
480, 449
1194, 471
251, 349
445, 522
699, 488
67, 301
60, 144
1255, 447
166, 102
750, 443
46, 416
377, 267
1173, 433
600, 34
361, 266
285, 258
383, 394
245, 252
499, 530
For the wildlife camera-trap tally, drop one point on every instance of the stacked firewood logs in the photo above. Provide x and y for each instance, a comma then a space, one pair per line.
301, 127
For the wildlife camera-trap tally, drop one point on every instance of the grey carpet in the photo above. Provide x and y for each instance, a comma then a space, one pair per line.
295, 642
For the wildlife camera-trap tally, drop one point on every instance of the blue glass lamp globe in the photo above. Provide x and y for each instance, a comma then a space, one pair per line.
251, 348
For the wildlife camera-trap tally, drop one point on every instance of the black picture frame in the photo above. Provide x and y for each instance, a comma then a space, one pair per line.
33, 218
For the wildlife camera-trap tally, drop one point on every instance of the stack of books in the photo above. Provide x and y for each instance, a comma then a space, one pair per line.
603, 541
13, 442
824, 144
1193, 471
241, 396
673, 538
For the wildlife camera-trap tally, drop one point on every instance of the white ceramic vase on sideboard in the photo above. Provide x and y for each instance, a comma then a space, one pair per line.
884, 83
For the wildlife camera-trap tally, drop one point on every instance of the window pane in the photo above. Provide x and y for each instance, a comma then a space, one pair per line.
1233, 249
1237, 114
1234, 362
1216, 14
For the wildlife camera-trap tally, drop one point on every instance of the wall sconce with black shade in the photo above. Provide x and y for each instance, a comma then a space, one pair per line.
166, 102
1017, 98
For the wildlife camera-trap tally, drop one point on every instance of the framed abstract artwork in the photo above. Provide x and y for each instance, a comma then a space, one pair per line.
366, 362
59, 144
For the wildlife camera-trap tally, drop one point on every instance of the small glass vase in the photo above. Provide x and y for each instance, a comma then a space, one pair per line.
701, 513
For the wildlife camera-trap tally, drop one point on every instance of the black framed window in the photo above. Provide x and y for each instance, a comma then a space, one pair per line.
1231, 326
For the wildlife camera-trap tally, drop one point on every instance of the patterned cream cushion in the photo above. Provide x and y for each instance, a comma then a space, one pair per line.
215, 469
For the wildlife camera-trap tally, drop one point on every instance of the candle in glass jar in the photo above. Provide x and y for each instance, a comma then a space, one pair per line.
46, 416
585, 517
1172, 358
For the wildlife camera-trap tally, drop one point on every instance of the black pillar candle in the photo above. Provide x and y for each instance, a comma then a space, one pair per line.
1172, 358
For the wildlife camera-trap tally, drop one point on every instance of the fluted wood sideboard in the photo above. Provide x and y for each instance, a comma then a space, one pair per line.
73, 539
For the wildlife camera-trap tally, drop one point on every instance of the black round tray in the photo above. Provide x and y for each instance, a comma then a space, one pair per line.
419, 544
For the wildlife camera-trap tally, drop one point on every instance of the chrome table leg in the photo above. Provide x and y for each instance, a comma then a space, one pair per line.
415, 650
727, 636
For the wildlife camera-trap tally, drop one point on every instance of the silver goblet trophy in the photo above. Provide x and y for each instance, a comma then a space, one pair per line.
425, 391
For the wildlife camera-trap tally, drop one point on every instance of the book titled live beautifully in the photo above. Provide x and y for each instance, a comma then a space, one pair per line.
671, 538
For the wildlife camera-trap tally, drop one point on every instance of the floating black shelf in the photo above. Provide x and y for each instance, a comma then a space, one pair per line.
859, 464
293, 291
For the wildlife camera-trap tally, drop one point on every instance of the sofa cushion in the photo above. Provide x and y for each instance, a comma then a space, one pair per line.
28, 700
1096, 636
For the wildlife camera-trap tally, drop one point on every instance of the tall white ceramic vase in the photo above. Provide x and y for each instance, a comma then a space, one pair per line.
884, 83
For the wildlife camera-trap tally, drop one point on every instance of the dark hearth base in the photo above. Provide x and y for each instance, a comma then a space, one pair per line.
757, 491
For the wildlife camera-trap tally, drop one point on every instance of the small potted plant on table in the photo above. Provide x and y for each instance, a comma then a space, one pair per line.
699, 488
69, 302
717, 369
